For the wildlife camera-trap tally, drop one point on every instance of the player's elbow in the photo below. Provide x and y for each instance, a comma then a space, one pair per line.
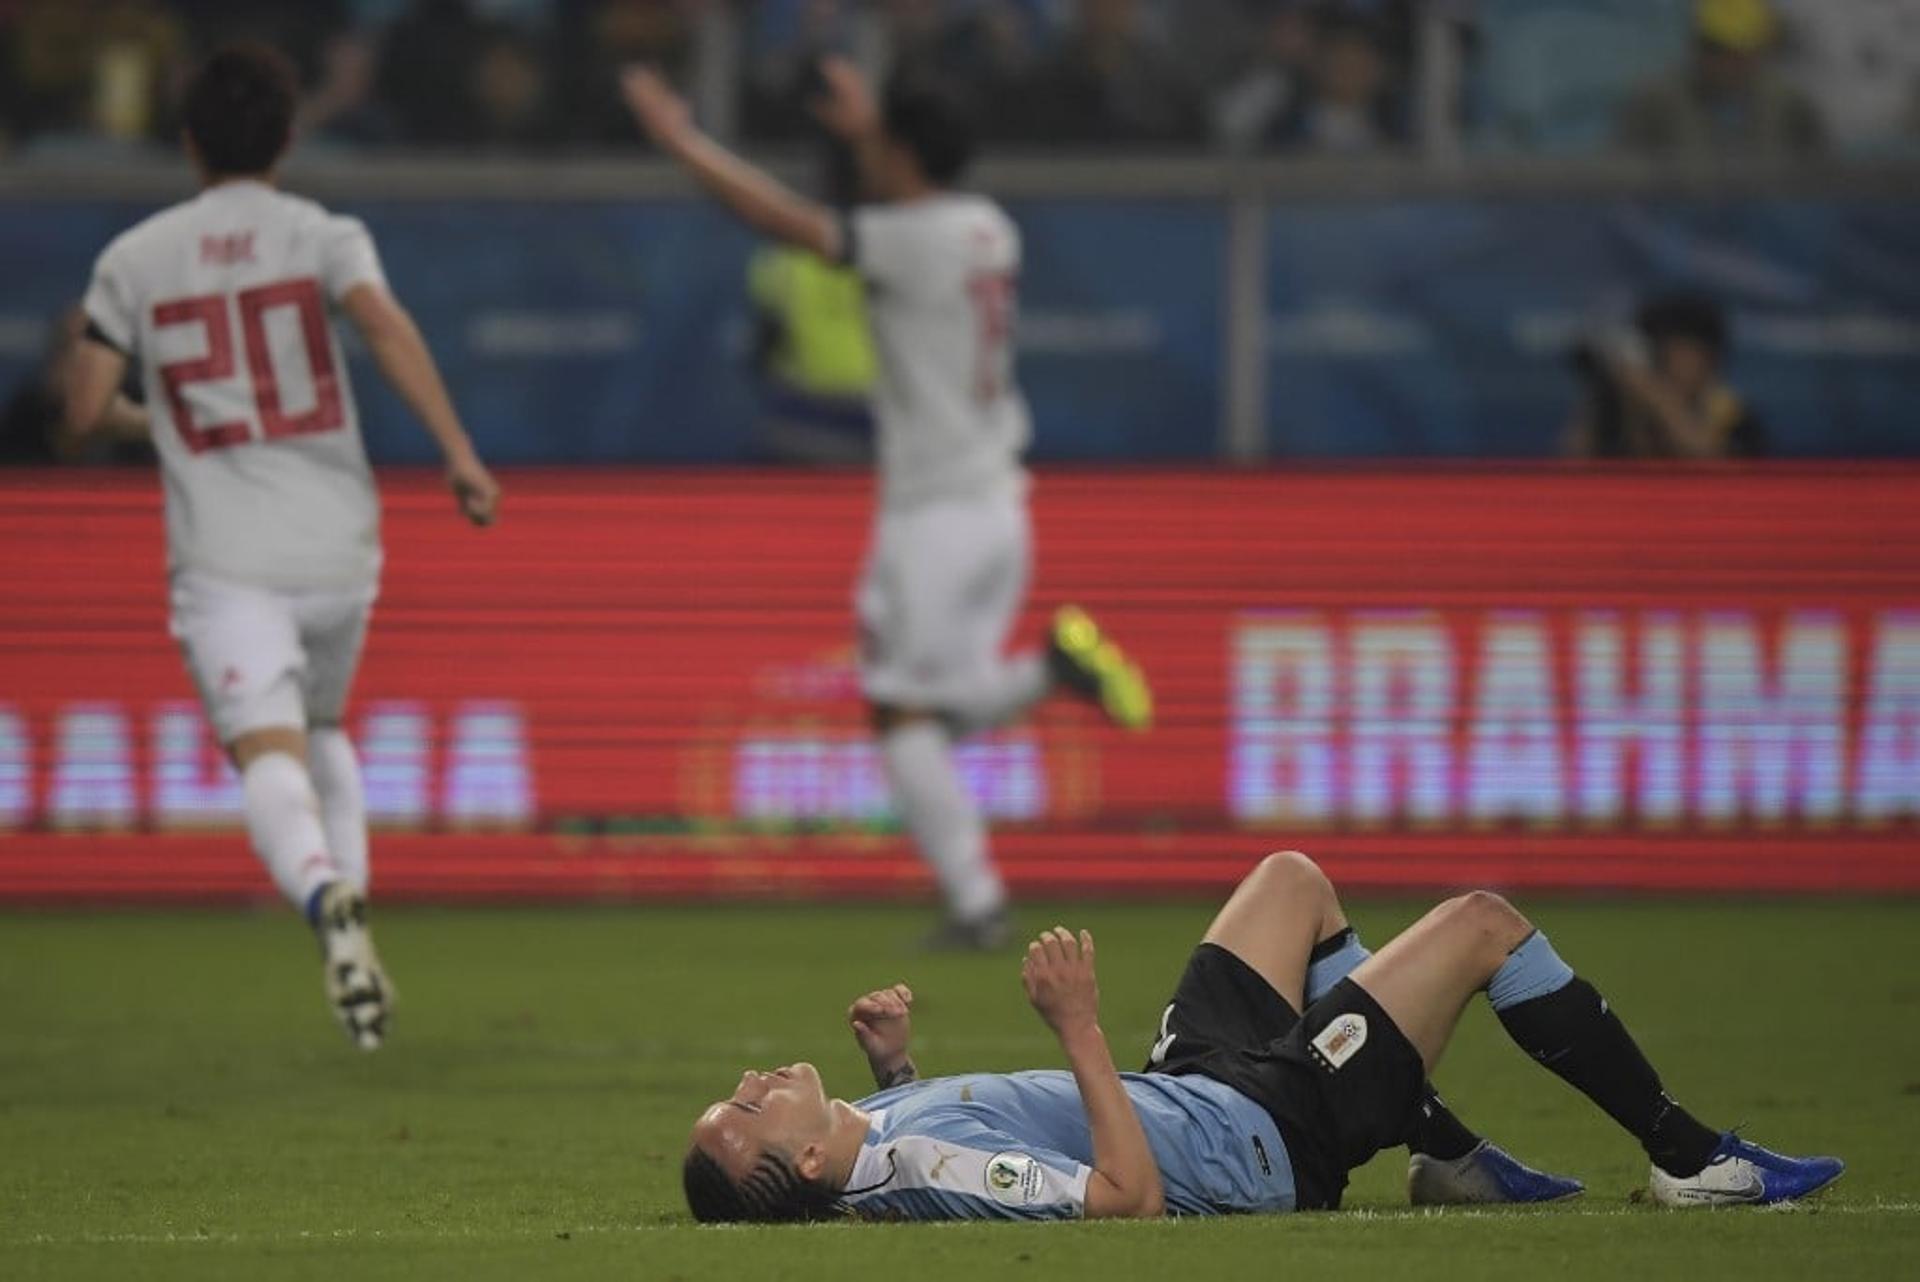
808, 228
82, 411
1108, 1199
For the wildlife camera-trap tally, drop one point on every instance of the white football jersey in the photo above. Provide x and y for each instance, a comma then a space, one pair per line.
943, 277
226, 301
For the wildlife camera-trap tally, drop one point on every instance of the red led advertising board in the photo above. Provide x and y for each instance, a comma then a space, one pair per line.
641, 683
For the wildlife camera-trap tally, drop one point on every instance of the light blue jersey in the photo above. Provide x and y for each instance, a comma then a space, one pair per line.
1017, 1146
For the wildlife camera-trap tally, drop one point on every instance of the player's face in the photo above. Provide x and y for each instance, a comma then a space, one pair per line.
784, 1109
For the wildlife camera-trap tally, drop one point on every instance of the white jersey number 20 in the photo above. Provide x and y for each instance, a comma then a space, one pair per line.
214, 314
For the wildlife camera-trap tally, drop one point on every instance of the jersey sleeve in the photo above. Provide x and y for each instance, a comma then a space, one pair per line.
112, 311
972, 1173
348, 257
890, 247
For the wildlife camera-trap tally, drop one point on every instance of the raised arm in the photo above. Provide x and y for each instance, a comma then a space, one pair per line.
882, 1025
1059, 977
402, 355
760, 200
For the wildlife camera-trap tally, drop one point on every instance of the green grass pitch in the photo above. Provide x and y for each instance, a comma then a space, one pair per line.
175, 1102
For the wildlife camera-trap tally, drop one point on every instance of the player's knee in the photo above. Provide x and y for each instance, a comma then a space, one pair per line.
888, 717
1291, 873
1488, 918
246, 748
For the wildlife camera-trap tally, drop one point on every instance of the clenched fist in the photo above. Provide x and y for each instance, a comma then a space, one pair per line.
882, 1025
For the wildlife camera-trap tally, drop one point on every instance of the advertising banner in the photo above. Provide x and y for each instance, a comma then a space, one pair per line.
644, 683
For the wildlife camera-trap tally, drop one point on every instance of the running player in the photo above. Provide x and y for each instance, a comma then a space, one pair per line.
227, 302
1246, 1104
948, 565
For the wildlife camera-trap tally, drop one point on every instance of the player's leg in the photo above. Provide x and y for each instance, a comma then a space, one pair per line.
335, 767
1285, 920
1277, 918
333, 629
1423, 978
333, 634
1078, 656
1082, 658
906, 597
242, 648
989, 687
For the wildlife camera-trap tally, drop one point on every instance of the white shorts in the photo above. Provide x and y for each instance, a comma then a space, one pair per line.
265, 658
943, 585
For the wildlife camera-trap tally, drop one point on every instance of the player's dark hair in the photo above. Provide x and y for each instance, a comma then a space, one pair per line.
1687, 316
239, 109
931, 120
772, 1192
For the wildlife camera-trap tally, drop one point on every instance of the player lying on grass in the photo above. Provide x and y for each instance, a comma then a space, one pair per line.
229, 303
1246, 1104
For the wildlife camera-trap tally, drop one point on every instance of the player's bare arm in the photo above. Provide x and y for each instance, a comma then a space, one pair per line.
756, 197
403, 358
846, 109
1059, 977
883, 1026
91, 396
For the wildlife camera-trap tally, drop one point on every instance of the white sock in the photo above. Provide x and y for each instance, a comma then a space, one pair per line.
1003, 693
283, 818
942, 817
343, 802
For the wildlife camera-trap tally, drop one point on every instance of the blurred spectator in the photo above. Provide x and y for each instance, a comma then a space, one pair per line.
597, 38
425, 77
784, 41
301, 31
32, 428
83, 72
1729, 98
1112, 81
1551, 75
342, 105
1660, 392
1860, 63
1268, 79
1350, 104
992, 50
510, 91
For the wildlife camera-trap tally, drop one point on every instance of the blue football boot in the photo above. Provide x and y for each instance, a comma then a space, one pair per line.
1486, 1175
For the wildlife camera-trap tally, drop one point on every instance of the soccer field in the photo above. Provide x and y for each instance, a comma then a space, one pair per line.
175, 1101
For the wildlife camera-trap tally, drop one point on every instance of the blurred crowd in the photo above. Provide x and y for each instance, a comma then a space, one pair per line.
1343, 76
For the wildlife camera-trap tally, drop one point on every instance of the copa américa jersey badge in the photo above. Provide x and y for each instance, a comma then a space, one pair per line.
1341, 1040
1013, 1179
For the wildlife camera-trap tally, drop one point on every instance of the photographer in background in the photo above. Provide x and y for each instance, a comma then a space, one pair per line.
1659, 391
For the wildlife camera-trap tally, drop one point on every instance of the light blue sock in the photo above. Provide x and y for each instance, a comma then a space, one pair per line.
1531, 970
1324, 971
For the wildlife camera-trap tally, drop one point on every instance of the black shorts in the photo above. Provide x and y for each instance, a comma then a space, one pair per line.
1342, 1082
